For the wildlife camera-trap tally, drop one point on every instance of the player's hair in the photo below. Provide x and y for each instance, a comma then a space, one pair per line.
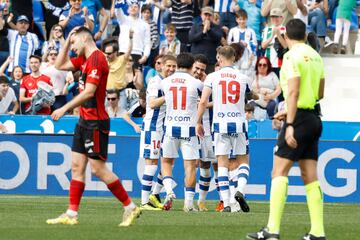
227, 52
239, 50
112, 91
170, 27
146, 7
4, 79
36, 56
84, 30
241, 14
142, 94
201, 58
296, 29
168, 57
185, 60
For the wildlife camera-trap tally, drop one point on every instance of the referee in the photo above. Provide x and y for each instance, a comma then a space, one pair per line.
302, 83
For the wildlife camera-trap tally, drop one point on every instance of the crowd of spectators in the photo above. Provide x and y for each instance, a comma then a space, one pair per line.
134, 35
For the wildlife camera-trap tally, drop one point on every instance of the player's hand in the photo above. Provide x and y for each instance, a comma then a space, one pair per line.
200, 130
289, 137
137, 128
57, 114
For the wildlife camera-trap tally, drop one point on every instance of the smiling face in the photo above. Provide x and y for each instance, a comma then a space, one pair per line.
76, 4
241, 21
57, 32
34, 64
169, 67
4, 87
133, 10
170, 34
199, 70
17, 73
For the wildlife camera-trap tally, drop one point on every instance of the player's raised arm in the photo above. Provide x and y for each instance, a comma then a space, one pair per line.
63, 60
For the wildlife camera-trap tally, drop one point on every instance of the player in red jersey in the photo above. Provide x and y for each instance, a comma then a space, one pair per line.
29, 85
92, 131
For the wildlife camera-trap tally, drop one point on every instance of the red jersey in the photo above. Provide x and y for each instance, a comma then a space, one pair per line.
94, 70
29, 83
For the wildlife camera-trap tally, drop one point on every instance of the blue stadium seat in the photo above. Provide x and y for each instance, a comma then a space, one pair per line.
38, 11
358, 3
354, 20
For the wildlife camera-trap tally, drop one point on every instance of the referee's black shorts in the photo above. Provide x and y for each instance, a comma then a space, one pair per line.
307, 131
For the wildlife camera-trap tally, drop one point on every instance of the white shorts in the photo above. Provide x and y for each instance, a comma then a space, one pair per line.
226, 144
150, 142
207, 149
189, 147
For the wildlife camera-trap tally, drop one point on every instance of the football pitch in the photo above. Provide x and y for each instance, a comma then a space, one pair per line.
23, 217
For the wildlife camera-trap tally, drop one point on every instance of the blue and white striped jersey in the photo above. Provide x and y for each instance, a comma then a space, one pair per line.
21, 48
247, 35
223, 6
208, 119
181, 97
154, 118
228, 92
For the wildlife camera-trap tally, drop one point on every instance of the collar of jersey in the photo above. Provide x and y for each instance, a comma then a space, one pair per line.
177, 71
233, 67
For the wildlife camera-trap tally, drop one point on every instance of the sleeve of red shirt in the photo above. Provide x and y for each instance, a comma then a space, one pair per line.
94, 69
77, 62
22, 85
46, 79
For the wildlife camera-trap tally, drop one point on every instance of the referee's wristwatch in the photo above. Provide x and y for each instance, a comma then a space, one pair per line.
289, 124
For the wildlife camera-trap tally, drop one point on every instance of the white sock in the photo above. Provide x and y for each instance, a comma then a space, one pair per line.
223, 180
71, 213
167, 181
130, 206
189, 196
204, 183
146, 182
243, 176
159, 184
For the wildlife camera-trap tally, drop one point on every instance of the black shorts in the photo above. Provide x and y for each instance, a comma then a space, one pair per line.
307, 131
92, 142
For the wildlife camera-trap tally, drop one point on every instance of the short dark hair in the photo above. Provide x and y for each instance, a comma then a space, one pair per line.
249, 108
112, 41
112, 91
241, 14
296, 29
239, 50
4, 79
142, 94
201, 58
146, 7
185, 60
35, 56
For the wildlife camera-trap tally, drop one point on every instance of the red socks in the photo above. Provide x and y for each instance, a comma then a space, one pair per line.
119, 192
76, 192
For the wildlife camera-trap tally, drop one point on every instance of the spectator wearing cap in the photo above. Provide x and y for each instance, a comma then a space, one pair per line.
182, 14
7, 97
76, 16
288, 8
22, 44
273, 38
206, 37
142, 39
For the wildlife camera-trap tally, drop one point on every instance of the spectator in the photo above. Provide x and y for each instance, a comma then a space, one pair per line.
302, 11
343, 21
142, 39
57, 77
53, 10
273, 40
7, 97
225, 8
95, 7
242, 33
156, 69
114, 109
146, 13
134, 81
182, 15
16, 78
22, 44
56, 39
4, 42
76, 16
117, 68
317, 18
266, 86
288, 8
171, 45
138, 110
249, 112
255, 21
29, 86
206, 37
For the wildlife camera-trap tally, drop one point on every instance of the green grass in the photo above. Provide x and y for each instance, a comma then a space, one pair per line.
23, 217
